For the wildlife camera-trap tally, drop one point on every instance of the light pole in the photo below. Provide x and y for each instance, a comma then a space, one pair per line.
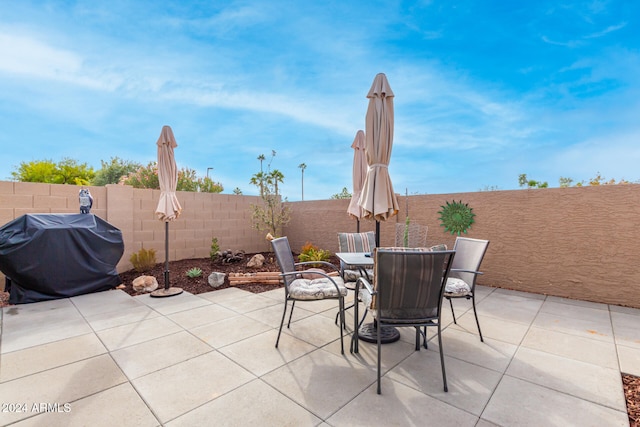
302, 167
208, 169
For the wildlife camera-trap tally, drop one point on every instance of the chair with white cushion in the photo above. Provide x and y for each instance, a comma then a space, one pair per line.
355, 242
301, 286
464, 271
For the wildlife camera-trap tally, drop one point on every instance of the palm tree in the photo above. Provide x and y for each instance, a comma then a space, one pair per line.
258, 180
302, 167
274, 177
261, 158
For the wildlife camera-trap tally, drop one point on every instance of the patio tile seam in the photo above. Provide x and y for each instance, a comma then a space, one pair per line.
436, 397
256, 378
147, 404
497, 317
324, 420
97, 333
529, 326
622, 397
59, 366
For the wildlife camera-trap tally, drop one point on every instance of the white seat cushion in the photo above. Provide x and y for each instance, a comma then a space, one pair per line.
456, 287
365, 297
305, 289
353, 275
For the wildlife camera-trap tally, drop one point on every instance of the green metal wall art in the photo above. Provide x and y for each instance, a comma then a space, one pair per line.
456, 217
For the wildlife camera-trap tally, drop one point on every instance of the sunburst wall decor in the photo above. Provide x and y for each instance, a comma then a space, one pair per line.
456, 217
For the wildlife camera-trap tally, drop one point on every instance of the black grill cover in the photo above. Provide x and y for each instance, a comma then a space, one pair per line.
51, 256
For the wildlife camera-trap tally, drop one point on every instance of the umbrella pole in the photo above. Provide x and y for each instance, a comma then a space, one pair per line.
166, 256
377, 234
357, 225
167, 291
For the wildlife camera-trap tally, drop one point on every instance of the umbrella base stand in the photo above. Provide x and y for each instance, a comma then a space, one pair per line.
169, 292
369, 333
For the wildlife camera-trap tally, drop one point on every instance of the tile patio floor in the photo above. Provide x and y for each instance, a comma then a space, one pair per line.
209, 359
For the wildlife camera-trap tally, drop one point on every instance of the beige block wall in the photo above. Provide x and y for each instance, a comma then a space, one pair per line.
571, 242
204, 216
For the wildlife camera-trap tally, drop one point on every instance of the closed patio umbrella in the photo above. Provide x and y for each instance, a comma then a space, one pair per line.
378, 199
359, 173
168, 206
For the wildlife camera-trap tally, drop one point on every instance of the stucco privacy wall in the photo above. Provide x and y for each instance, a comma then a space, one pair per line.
572, 242
579, 243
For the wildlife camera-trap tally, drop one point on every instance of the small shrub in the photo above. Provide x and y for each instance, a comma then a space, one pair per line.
311, 252
143, 260
215, 249
194, 272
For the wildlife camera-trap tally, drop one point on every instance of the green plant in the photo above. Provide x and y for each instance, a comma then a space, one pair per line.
194, 272
405, 238
66, 171
531, 183
272, 214
143, 260
214, 253
311, 252
344, 194
456, 217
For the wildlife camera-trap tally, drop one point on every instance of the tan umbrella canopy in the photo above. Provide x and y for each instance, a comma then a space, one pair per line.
359, 173
378, 200
168, 206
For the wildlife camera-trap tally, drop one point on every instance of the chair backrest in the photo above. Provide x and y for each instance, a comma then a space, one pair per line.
469, 255
411, 236
284, 256
356, 242
410, 282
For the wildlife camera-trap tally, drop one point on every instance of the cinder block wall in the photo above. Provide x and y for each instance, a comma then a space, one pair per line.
578, 243
204, 216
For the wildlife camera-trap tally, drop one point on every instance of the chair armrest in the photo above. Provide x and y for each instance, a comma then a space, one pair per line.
325, 263
460, 270
366, 285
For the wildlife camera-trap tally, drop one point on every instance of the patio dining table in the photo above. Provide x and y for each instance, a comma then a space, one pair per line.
364, 261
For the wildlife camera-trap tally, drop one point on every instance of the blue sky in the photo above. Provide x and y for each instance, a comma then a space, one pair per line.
484, 90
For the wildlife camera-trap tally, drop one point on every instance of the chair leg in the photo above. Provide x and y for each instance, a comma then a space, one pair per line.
452, 312
418, 334
345, 309
379, 356
424, 335
473, 301
284, 312
293, 305
353, 348
342, 325
444, 375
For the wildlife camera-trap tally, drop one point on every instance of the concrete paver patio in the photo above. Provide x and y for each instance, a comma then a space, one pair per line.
111, 359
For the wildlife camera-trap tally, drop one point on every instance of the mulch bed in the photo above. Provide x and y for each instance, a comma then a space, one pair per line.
632, 394
178, 278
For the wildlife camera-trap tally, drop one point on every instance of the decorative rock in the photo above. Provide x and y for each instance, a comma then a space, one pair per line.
216, 279
145, 284
256, 261
229, 256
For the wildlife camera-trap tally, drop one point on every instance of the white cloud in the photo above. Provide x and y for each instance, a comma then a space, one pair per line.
606, 31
